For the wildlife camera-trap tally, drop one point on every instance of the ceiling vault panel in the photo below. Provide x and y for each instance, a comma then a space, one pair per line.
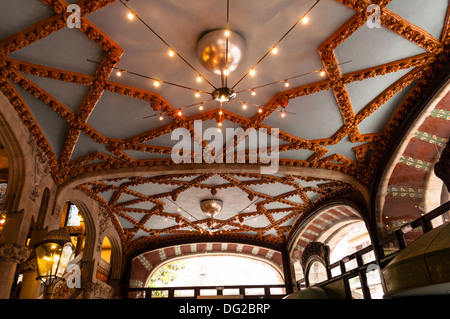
114, 122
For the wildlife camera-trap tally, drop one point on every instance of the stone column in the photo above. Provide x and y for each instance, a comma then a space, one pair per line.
31, 286
10, 256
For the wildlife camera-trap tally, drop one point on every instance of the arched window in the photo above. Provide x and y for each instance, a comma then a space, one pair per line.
2, 214
106, 250
73, 222
215, 270
317, 273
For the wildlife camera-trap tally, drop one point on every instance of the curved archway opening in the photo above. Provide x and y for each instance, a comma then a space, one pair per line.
317, 273
345, 238
106, 250
219, 270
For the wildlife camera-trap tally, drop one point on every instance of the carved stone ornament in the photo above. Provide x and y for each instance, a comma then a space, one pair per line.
317, 251
29, 264
14, 253
99, 289
104, 223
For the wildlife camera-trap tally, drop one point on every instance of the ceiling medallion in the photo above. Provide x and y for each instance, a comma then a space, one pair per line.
211, 207
215, 45
220, 52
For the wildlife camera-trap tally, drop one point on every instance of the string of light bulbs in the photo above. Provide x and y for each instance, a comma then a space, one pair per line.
224, 73
172, 51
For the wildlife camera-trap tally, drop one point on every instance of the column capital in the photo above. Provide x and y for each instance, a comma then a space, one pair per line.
14, 253
98, 289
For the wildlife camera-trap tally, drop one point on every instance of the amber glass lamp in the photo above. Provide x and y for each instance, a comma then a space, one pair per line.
53, 254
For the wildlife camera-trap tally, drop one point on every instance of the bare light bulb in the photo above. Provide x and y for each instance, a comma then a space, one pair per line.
171, 53
253, 92
119, 73
274, 50
244, 106
161, 118
130, 16
305, 20
197, 94
199, 79
322, 73
200, 107
252, 72
227, 33
286, 83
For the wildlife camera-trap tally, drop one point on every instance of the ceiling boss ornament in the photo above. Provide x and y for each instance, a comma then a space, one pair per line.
220, 52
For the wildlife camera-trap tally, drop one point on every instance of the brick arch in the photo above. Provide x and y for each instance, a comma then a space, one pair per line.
319, 223
405, 188
144, 264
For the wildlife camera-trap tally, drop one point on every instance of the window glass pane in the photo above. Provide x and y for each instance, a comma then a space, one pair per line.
160, 294
298, 270
2, 192
277, 291
317, 273
374, 283
336, 271
231, 292
368, 257
254, 291
351, 264
208, 292
390, 248
72, 216
355, 288
184, 293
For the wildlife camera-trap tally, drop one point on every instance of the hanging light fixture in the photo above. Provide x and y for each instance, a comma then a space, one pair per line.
53, 254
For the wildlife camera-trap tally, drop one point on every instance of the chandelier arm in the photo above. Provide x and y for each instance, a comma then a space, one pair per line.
168, 45
182, 209
154, 79
226, 43
281, 39
293, 77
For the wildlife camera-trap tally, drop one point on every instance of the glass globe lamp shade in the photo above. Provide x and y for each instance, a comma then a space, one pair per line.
53, 254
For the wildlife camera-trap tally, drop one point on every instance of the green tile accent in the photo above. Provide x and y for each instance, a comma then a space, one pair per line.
145, 262
404, 192
414, 162
162, 254
430, 138
441, 114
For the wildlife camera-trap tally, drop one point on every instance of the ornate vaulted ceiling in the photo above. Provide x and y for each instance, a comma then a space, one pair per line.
89, 121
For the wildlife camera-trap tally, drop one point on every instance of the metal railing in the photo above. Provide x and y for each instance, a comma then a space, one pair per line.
215, 292
356, 264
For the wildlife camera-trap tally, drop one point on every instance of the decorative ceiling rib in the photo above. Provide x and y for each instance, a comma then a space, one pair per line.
85, 147
183, 218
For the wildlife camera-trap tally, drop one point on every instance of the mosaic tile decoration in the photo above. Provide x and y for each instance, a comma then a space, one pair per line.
408, 192
416, 163
441, 114
430, 138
